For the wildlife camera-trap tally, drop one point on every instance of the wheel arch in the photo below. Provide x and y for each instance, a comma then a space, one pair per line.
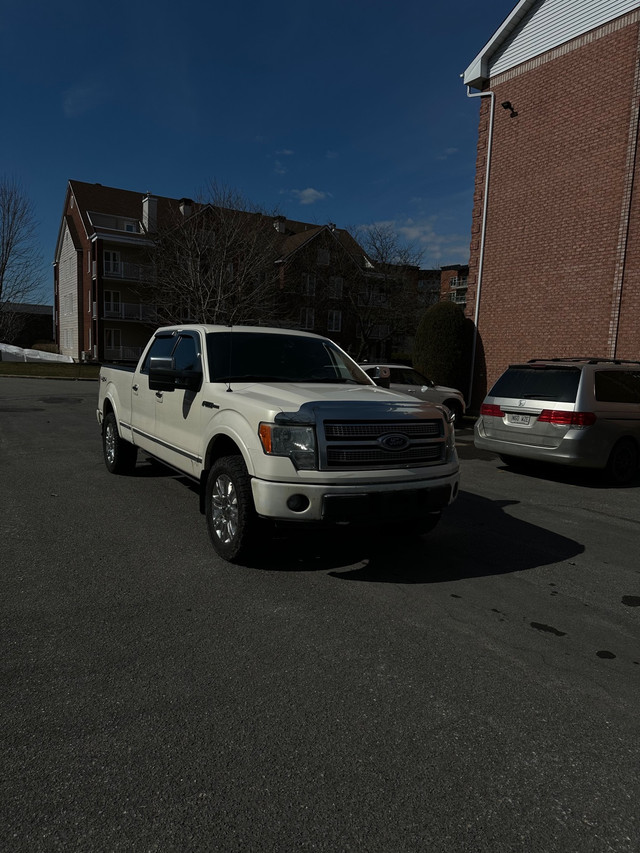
221, 444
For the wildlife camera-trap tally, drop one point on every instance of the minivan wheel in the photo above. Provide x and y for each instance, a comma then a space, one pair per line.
623, 463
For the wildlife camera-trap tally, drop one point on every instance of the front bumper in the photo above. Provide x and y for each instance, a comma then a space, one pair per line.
361, 503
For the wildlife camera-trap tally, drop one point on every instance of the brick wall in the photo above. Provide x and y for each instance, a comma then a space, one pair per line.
558, 254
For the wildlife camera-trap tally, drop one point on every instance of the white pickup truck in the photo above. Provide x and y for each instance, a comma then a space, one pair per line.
280, 425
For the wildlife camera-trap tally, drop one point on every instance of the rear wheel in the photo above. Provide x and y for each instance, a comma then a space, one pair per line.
623, 463
231, 516
119, 455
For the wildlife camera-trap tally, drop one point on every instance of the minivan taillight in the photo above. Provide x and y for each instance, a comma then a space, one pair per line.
491, 410
570, 419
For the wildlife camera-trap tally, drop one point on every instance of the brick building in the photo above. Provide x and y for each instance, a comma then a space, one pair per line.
555, 249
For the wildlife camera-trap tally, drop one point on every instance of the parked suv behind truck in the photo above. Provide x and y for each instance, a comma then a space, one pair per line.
570, 411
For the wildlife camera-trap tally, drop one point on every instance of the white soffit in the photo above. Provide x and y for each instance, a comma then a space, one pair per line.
536, 26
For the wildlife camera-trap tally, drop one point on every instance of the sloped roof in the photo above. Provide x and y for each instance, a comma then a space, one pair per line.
111, 201
127, 204
537, 26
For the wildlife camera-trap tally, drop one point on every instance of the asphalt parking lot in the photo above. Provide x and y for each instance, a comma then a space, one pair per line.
476, 690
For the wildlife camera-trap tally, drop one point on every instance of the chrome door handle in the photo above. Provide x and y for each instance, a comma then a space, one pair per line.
159, 395
134, 387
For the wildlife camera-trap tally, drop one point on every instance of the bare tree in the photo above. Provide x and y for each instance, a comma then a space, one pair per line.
20, 259
383, 306
214, 262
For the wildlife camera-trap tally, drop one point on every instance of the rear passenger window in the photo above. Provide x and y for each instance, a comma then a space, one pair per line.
536, 383
618, 386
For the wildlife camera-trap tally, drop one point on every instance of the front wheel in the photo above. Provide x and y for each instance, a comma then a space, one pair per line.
119, 455
231, 516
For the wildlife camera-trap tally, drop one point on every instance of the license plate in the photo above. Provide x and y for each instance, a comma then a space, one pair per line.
520, 419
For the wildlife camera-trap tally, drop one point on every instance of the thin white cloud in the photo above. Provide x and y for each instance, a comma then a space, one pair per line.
448, 152
285, 152
438, 247
310, 196
279, 169
80, 99
331, 155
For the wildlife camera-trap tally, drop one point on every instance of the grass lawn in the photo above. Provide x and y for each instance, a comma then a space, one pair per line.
52, 370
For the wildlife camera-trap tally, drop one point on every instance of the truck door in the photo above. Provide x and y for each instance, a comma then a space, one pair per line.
178, 413
143, 399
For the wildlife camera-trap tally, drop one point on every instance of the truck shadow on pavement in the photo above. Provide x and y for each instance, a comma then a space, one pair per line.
475, 538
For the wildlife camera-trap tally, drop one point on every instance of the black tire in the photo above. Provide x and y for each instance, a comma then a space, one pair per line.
231, 515
622, 465
119, 455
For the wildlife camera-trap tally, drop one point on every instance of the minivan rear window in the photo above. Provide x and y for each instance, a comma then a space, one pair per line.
535, 383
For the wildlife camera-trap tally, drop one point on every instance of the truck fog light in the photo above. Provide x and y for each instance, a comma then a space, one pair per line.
298, 503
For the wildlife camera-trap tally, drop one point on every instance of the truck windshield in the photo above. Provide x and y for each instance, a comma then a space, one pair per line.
272, 357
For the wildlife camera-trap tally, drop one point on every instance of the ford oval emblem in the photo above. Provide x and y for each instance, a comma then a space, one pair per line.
394, 441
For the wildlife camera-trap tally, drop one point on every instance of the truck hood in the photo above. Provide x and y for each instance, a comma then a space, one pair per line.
312, 396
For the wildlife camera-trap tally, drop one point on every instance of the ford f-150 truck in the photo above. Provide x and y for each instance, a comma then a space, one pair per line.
280, 425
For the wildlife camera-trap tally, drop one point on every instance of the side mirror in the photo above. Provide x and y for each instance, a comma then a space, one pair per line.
163, 376
381, 376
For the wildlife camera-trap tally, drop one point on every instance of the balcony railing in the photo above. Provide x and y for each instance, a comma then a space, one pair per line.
459, 298
458, 283
130, 311
127, 270
122, 353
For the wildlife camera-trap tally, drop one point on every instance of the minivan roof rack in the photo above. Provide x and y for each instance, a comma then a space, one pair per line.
586, 360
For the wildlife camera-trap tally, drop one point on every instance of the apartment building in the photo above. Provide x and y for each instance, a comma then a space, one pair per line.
106, 302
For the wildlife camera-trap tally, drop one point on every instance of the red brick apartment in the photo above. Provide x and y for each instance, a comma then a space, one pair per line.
555, 251
102, 263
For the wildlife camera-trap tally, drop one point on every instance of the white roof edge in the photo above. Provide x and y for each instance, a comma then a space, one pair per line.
477, 72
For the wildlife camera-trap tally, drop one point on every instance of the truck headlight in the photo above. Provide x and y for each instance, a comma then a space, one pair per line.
296, 442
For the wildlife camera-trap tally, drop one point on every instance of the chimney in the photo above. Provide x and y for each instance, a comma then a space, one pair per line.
186, 207
279, 223
150, 213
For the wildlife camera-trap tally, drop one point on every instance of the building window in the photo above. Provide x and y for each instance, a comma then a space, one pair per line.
334, 321
112, 340
112, 263
335, 287
380, 331
306, 318
112, 302
131, 226
310, 286
324, 258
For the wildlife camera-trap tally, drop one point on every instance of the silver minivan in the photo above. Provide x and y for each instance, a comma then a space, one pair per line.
570, 411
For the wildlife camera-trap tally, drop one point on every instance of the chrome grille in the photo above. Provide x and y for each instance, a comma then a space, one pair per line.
355, 444
423, 429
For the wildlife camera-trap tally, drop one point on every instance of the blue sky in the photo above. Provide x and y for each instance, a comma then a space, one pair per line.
349, 111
